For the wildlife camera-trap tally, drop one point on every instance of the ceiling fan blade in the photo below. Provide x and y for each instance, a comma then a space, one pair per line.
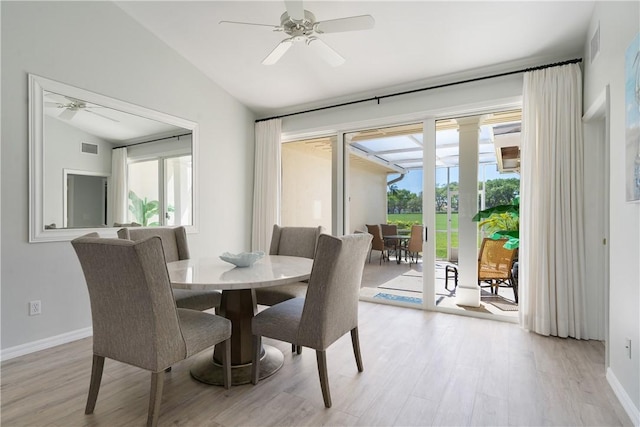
351, 23
278, 52
101, 115
325, 51
67, 114
52, 104
295, 9
275, 27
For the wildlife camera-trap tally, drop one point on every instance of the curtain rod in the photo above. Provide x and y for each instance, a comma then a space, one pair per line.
153, 140
378, 98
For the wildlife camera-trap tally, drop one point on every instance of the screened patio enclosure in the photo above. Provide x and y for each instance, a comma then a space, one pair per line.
399, 151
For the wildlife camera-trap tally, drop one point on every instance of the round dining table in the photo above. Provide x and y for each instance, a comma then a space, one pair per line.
238, 304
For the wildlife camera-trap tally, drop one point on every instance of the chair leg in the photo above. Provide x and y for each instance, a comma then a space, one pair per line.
94, 385
299, 349
226, 363
255, 360
321, 357
155, 398
355, 341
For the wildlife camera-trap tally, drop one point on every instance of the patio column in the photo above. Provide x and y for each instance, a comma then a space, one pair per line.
468, 292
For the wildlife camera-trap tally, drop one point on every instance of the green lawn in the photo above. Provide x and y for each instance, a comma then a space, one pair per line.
441, 229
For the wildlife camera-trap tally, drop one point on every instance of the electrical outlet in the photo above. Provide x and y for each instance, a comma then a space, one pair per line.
628, 346
35, 308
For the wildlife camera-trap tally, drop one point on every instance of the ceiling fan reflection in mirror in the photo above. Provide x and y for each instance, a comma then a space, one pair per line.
71, 106
301, 26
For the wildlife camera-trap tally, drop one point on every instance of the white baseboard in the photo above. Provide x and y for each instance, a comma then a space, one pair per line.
32, 347
624, 398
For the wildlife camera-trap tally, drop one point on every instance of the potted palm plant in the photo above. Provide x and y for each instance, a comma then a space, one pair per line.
502, 221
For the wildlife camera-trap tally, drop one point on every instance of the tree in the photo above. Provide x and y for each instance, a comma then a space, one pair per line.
415, 203
501, 191
441, 197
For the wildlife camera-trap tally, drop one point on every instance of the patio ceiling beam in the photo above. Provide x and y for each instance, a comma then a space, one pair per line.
416, 140
372, 157
401, 161
399, 151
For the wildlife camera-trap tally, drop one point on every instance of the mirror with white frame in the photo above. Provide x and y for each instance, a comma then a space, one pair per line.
97, 163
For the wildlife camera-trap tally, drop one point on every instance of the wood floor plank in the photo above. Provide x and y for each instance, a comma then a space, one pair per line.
417, 412
420, 369
489, 411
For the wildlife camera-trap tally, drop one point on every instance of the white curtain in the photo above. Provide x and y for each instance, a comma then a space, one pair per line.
266, 186
551, 258
119, 184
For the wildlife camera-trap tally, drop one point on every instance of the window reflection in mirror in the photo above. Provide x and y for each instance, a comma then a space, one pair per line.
98, 162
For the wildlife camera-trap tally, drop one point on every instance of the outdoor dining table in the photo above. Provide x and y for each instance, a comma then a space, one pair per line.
239, 306
398, 239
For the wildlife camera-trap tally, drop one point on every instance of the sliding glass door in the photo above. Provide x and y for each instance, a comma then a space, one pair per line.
307, 182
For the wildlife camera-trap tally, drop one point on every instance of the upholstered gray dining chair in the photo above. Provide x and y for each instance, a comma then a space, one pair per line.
135, 318
291, 241
329, 310
176, 248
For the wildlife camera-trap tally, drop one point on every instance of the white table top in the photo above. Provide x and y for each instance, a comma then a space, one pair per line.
213, 273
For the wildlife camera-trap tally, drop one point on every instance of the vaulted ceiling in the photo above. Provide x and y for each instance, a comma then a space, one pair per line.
411, 44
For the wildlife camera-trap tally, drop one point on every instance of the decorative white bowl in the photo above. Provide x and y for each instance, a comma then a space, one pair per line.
244, 259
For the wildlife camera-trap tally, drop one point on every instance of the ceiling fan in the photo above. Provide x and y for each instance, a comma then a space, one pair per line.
72, 106
301, 26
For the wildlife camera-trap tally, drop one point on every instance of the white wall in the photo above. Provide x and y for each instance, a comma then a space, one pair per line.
63, 150
458, 99
97, 47
619, 24
367, 196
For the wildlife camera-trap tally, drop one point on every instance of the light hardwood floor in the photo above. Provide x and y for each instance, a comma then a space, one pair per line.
420, 368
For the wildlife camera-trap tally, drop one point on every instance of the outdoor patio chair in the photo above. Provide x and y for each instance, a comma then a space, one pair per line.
414, 245
495, 266
391, 230
377, 242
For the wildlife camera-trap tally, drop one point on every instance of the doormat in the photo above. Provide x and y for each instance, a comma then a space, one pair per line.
400, 298
500, 303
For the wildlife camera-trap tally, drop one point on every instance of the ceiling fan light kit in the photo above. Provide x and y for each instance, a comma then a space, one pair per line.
301, 26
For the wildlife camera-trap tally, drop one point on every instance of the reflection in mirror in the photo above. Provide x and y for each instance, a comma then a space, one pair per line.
97, 162
85, 199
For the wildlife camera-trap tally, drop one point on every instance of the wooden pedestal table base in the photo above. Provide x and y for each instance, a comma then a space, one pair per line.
238, 304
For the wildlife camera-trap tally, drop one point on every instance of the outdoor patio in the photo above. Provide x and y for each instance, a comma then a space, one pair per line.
401, 284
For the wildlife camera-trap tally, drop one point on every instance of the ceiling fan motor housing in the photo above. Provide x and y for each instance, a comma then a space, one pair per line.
304, 27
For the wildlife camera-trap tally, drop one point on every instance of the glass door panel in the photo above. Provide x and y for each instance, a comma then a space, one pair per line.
144, 192
306, 183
